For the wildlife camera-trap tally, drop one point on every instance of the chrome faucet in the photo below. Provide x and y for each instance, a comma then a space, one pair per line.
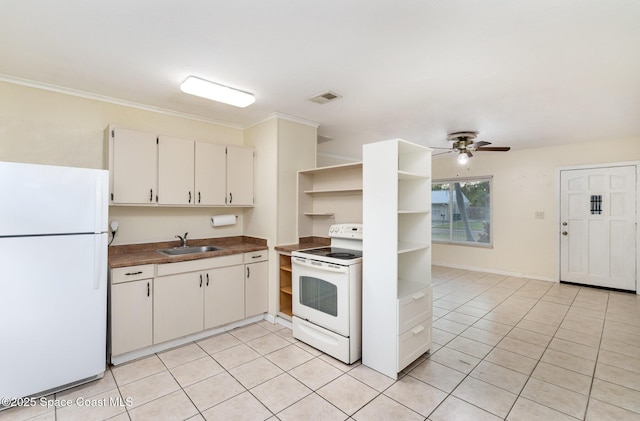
183, 239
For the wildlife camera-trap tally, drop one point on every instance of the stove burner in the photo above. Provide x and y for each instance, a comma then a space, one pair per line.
341, 255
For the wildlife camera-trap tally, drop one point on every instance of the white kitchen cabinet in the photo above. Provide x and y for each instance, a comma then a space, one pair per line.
210, 174
223, 296
133, 167
396, 292
176, 168
239, 176
131, 309
147, 169
178, 306
195, 295
256, 283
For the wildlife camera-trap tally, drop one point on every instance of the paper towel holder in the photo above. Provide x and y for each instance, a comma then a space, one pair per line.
223, 220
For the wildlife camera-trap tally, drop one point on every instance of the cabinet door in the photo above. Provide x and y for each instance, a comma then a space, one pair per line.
256, 288
131, 316
134, 167
224, 296
239, 176
211, 174
175, 171
178, 306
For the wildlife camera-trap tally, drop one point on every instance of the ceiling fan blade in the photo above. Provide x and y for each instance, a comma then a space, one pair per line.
480, 144
494, 149
436, 147
442, 153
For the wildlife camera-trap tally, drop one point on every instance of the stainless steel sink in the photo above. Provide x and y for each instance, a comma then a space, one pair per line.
179, 251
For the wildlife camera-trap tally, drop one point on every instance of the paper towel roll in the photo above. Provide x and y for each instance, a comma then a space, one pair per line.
222, 220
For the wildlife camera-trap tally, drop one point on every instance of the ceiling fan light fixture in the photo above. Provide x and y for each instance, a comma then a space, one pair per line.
463, 158
216, 92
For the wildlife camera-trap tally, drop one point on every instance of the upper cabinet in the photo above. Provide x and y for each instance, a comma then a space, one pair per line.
239, 176
147, 169
210, 174
176, 167
134, 167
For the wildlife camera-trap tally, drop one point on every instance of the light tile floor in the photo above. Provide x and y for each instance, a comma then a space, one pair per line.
504, 348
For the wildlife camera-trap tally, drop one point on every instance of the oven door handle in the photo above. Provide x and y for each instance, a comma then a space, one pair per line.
324, 267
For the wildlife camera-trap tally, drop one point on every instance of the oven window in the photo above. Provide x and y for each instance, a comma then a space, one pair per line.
319, 295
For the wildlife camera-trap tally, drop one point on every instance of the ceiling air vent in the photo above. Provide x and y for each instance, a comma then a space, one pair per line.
325, 97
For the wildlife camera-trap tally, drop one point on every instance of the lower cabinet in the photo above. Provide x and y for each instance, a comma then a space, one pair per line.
131, 309
223, 296
152, 304
256, 283
178, 309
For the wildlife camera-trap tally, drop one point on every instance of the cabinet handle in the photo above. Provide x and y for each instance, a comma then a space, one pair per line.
151, 195
207, 279
148, 289
198, 197
189, 196
200, 281
256, 257
230, 198
417, 296
417, 330
247, 271
133, 273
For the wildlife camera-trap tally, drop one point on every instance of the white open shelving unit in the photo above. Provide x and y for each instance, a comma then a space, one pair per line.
396, 294
329, 195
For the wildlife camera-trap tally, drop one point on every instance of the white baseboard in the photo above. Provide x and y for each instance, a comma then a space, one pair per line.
496, 271
143, 352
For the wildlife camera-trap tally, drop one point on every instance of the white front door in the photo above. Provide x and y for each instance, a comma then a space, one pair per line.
598, 226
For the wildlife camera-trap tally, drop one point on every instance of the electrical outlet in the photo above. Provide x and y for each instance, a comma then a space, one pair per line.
539, 215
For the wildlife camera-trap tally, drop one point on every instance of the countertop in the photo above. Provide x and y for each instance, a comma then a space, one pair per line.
144, 254
305, 243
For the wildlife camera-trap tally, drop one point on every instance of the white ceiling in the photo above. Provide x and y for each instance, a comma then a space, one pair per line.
524, 73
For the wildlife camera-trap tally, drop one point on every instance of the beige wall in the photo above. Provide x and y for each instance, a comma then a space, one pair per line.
45, 127
524, 182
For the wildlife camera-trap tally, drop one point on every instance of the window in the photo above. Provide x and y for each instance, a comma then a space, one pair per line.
461, 211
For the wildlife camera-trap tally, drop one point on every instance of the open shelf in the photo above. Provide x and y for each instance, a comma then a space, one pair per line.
333, 191
404, 247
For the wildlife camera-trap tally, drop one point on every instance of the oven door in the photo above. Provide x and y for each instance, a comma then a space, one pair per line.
321, 294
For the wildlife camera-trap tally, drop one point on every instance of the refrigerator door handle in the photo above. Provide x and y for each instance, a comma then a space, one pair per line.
99, 261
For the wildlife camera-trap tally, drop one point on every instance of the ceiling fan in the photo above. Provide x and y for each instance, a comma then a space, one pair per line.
464, 143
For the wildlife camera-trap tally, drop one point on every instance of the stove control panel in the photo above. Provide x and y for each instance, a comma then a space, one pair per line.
353, 231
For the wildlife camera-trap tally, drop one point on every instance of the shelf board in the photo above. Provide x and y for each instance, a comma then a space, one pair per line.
286, 311
406, 175
405, 247
332, 168
286, 268
323, 214
333, 191
286, 290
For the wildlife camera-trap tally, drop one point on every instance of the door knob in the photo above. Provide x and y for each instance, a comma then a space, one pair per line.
564, 233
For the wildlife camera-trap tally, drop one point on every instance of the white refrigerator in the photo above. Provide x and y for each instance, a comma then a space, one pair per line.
53, 277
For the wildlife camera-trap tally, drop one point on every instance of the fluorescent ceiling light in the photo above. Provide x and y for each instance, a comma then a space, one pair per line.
215, 92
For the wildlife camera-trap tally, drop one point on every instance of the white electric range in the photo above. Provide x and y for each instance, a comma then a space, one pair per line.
327, 294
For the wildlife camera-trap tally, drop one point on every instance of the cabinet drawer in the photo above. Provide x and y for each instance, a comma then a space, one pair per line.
413, 343
256, 256
131, 273
413, 308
